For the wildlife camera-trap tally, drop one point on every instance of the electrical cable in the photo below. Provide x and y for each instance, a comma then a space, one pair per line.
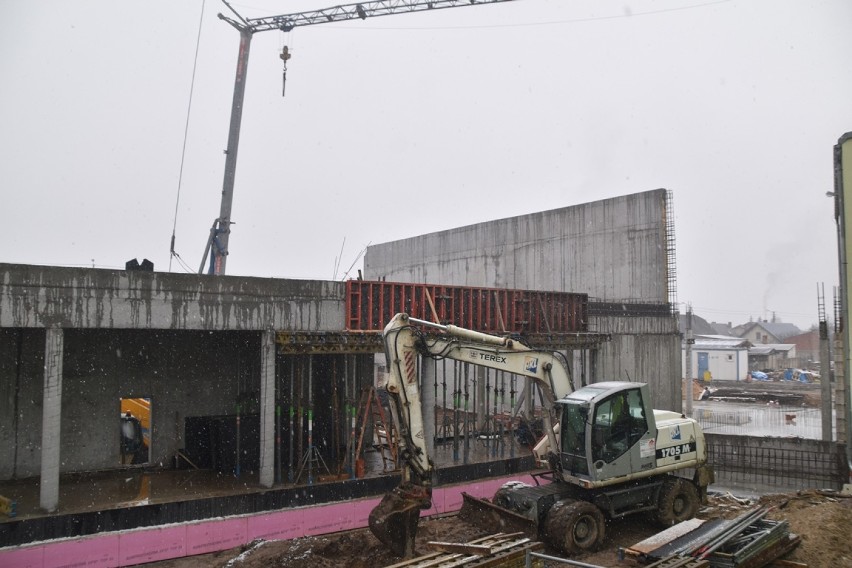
172, 252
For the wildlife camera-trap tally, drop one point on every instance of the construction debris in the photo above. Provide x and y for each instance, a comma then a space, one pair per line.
748, 541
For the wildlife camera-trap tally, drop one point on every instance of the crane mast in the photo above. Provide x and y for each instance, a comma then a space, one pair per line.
217, 242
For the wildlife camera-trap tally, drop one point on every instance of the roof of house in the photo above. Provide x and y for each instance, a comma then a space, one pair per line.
722, 328
778, 329
699, 325
720, 342
770, 348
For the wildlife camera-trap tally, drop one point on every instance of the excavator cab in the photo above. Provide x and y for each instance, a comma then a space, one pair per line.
606, 430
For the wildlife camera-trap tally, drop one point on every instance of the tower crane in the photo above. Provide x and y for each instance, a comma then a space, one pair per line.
217, 243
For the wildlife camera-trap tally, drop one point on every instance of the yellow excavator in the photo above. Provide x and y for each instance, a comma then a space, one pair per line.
135, 436
609, 455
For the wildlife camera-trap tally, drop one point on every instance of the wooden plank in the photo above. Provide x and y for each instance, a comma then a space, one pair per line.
462, 548
493, 551
787, 564
415, 561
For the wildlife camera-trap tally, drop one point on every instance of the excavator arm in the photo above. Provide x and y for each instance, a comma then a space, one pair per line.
394, 520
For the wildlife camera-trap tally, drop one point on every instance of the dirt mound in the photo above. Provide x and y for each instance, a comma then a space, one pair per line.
822, 519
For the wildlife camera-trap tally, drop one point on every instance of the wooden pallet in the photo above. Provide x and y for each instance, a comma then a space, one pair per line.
500, 550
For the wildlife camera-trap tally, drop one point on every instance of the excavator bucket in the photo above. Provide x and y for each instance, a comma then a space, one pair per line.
493, 518
394, 521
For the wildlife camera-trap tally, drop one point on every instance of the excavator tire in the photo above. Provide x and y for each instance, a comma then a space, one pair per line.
574, 526
678, 501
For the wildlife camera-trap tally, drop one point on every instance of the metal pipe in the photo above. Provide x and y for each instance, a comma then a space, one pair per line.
466, 410
456, 404
512, 391
310, 419
502, 411
237, 467
292, 417
530, 555
278, 457
335, 414
350, 413
444, 399
435, 409
300, 414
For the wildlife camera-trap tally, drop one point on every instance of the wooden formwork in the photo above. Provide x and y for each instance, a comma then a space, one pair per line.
371, 304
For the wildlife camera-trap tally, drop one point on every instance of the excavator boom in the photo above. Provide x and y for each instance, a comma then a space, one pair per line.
394, 521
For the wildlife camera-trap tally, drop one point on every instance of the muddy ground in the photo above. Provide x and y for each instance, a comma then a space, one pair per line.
822, 519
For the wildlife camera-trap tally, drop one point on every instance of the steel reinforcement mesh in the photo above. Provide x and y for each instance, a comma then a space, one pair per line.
776, 463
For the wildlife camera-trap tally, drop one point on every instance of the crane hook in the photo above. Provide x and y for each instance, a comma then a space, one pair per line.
285, 55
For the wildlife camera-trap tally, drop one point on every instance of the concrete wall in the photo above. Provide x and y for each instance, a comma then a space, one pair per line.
21, 383
183, 373
645, 350
613, 250
39, 296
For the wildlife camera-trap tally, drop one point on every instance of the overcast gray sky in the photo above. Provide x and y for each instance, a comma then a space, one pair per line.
407, 124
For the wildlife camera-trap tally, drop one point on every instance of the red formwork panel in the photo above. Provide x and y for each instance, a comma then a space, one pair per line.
371, 304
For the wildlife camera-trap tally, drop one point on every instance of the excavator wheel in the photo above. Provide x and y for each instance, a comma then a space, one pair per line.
574, 526
678, 501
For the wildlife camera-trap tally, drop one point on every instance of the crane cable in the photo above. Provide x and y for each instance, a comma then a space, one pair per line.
174, 254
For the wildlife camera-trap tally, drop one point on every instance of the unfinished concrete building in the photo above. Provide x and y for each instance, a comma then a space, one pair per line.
83, 339
620, 251
260, 378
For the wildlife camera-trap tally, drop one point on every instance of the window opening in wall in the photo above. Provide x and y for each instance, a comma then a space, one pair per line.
135, 431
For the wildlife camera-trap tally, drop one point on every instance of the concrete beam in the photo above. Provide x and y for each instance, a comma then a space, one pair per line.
85, 298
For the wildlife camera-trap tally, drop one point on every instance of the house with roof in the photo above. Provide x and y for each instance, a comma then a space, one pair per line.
772, 357
765, 333
699, 325
723, 328
718, 358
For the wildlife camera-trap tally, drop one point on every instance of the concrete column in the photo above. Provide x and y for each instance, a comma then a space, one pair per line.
267, 409
51, 420
825, 381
